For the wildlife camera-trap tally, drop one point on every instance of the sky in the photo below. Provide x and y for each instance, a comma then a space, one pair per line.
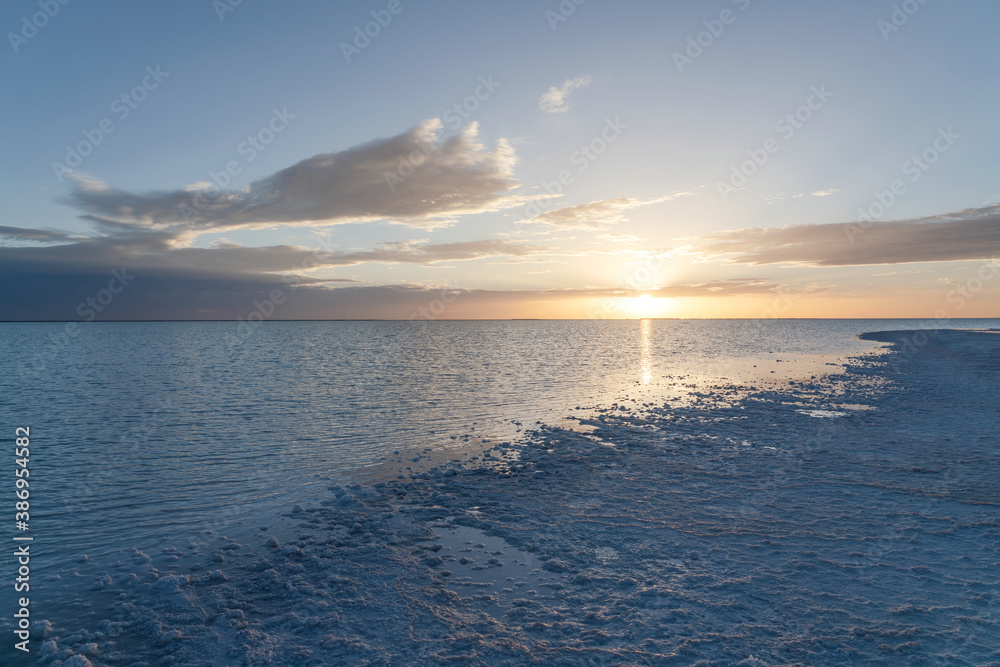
402, 159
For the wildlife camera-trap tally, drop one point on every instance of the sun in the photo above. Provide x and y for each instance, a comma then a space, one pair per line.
645, 305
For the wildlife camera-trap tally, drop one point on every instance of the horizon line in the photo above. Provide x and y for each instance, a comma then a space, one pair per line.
487, 319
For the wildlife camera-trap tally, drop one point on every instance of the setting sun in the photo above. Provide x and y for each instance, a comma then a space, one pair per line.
645, 305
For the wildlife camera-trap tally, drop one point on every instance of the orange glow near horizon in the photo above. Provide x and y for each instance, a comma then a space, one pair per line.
762, 306
646, 305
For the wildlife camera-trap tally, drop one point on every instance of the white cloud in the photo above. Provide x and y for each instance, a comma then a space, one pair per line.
781, 197
554, 101
418, 178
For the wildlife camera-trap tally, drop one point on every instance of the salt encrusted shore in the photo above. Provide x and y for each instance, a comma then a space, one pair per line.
850, 519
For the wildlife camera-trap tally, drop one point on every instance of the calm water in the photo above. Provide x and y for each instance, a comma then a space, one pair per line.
146, 429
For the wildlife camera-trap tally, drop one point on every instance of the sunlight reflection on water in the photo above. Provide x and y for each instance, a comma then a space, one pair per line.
143, 429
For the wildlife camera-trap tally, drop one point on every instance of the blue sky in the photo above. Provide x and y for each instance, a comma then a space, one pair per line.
650, 199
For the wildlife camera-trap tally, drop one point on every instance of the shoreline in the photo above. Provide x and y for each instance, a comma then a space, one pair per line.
813, 523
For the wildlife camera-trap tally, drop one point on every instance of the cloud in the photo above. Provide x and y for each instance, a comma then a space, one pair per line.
410, 252
159, 295
416, 178
554, 101
594, 215
619, 238
48, 272
901, 273
969, 234
597, 214
176, 282
158, 253
224, 282
38, 235
736, 287
818, 193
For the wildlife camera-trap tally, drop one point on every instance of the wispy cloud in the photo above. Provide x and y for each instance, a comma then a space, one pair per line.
735, 287
554, 100
818, 193
597, 214
963, 235
594, 215
36, 235
901, 273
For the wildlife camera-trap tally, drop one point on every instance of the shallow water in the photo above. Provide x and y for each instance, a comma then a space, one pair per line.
146, 430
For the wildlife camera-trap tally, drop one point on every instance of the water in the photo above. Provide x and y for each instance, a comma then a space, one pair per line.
141, 430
